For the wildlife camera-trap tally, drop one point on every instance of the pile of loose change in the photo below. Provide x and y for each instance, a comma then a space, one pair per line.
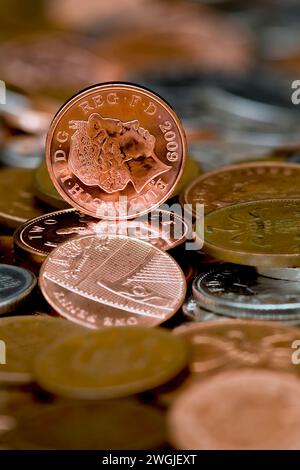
149, 283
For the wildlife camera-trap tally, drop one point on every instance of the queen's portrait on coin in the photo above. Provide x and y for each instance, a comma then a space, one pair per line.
110, 153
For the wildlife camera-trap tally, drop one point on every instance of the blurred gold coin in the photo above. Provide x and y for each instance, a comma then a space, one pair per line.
24, 337
242, 183
258, 233
110, 363
114, 424
44, 189
17, 203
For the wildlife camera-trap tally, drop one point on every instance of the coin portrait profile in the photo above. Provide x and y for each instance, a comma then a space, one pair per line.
110, 153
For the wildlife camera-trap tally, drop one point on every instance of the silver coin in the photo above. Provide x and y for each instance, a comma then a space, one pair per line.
239, 291
15, 286
285, 274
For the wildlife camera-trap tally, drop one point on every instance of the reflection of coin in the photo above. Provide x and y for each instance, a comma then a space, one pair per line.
238, 291
44, 189
37, 238
109, 363
113, 424
226, 344
115, 151
246, 409
16, 201
242, 183
112, 280
24, 337
16, 284
258, 233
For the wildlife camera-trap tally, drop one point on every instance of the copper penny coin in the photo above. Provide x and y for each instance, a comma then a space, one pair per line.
35, 239
238, 410
115, 151
112, 280
243, 183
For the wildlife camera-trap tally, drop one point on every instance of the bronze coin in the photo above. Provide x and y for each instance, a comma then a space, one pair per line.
115, 151
238, 410
35, 239
112, 281
243, 183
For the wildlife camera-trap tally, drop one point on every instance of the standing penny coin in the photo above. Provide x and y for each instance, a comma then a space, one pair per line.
25, 337
258, 233
110, 363
34, 240
115, 151
242, 183
245, 409
112, 280
17, 204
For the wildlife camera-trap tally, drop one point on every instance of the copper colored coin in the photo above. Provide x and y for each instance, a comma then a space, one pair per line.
238, 410
243, 183
17, 203
115, 151
37, 238
112, 281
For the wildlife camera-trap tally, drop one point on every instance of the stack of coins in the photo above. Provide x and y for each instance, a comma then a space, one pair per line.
251, 228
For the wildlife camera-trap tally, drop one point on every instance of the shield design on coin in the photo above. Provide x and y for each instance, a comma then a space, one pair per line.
109, 153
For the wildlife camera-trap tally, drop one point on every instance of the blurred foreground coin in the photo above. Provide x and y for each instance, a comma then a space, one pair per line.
113, 362
112, 280
24, 338
245, 409
229, 344
114, 424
